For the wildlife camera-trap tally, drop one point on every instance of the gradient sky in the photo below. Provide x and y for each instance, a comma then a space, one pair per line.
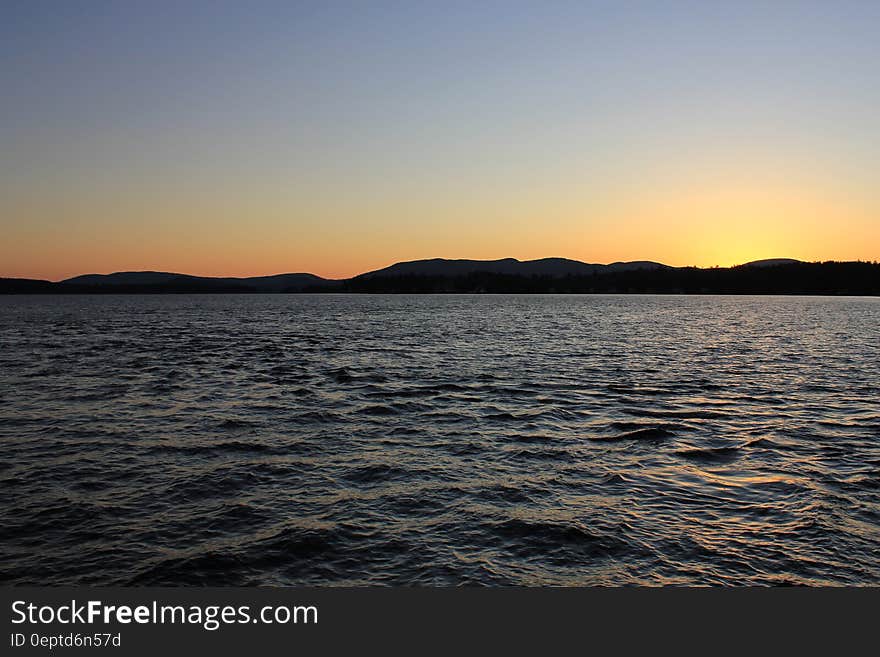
254, 137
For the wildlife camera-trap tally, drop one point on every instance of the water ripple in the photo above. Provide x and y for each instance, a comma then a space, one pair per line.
514, 440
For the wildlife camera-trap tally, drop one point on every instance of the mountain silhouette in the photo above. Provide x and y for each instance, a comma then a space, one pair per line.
508, 266
770, 262
158, 279
507, 275
563, 276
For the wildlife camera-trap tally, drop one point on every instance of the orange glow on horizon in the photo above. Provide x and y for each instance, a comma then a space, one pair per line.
681, 221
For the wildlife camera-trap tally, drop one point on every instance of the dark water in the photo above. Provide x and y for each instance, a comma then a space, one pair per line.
439, 440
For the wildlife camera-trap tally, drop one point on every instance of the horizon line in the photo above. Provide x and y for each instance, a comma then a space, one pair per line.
486, 260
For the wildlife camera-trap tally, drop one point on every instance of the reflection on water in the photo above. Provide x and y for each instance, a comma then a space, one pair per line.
439, 440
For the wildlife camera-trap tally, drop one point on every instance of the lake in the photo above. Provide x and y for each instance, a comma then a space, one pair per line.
439, 440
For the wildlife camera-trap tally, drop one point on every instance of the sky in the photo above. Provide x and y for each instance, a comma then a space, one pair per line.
250, 138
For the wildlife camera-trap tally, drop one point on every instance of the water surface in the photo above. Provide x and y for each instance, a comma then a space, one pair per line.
532, 440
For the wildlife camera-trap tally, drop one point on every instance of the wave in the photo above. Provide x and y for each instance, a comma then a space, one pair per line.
711, 454
647, 434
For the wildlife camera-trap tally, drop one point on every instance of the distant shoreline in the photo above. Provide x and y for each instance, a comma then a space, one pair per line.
441, 294
508, 276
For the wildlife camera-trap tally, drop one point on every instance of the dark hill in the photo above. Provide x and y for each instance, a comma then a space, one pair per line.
784, 277
157, 281
26, 286
771, 262
548, 275
553, 267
